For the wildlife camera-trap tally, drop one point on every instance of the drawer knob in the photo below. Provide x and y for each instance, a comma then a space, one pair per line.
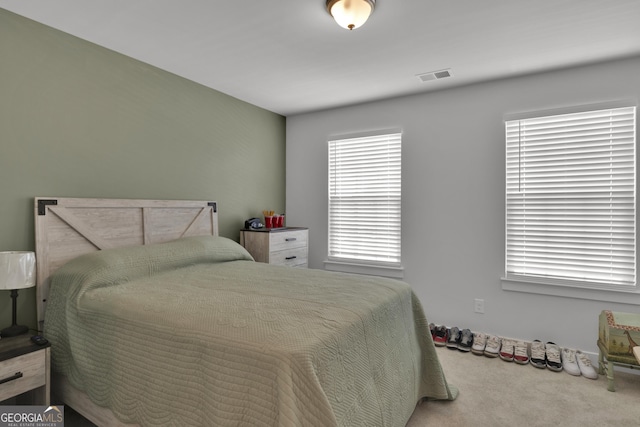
290, 239
291, 257
11, 378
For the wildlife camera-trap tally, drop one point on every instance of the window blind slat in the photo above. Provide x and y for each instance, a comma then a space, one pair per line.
365, 198
570, 197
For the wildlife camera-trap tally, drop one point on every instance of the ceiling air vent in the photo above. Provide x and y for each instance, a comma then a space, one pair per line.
435, 75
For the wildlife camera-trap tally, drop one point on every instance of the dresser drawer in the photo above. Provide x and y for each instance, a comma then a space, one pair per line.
288, 240
296, 257
22, 373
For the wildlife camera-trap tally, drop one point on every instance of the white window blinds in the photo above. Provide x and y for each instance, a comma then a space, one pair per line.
570, 198
364, 199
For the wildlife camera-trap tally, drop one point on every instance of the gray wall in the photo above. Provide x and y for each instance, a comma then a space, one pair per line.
453, 195
77, 120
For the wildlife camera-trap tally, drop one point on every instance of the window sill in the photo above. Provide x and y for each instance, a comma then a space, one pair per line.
391, 271
540, 287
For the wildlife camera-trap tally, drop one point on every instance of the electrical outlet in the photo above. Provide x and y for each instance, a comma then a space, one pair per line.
479, 306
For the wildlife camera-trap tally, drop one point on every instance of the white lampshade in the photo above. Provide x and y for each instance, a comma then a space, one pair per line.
17, 270
350, 14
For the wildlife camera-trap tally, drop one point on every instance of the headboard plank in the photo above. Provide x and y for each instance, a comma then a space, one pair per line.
69, 227
192, 229
80, 226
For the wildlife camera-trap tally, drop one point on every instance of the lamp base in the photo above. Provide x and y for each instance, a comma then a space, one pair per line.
13, 331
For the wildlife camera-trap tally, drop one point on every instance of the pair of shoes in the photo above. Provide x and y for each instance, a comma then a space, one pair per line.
466, 340
584, 363
492, 348
553, 358
441, 335
569, 362
538, 354
479, 343
577, 363
454, 338
460, 339
507, 349
521, 353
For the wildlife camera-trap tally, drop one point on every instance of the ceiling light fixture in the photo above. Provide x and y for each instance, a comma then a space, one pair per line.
350, 14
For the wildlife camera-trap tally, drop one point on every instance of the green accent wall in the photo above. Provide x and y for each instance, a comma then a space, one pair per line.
79, 120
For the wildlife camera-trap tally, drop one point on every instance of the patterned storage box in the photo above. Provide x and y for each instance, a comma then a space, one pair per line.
619, 333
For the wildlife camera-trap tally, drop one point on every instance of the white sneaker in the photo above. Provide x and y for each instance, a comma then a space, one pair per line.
521, 353
584, 363
479, 343
492, 348
569, 362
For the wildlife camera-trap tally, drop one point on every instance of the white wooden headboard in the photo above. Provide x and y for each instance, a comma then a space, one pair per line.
66, 228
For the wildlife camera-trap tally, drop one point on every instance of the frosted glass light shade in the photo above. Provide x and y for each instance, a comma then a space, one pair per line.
17, 270
350, 14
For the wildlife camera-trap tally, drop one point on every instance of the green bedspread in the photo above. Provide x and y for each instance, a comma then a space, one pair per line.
193, 332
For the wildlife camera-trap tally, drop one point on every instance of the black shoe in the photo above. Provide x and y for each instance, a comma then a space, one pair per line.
466, 340
454, 338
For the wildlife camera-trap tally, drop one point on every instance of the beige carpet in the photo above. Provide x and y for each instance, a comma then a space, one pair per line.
498, 393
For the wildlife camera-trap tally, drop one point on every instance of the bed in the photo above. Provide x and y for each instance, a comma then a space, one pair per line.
155, 319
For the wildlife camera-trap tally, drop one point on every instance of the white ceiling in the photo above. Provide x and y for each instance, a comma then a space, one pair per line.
290, 57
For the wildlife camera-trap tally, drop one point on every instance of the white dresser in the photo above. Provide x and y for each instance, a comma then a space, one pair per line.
281, 246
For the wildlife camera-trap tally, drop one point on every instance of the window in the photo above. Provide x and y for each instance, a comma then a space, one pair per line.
570, 199
364, 200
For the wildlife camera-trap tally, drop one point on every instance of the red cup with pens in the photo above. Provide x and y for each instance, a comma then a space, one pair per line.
268, 219
273, 220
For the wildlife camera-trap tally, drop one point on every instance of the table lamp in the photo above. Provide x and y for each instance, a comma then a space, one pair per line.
17, 271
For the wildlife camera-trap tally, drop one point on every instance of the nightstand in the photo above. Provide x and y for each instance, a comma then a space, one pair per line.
24, 366
280, 246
